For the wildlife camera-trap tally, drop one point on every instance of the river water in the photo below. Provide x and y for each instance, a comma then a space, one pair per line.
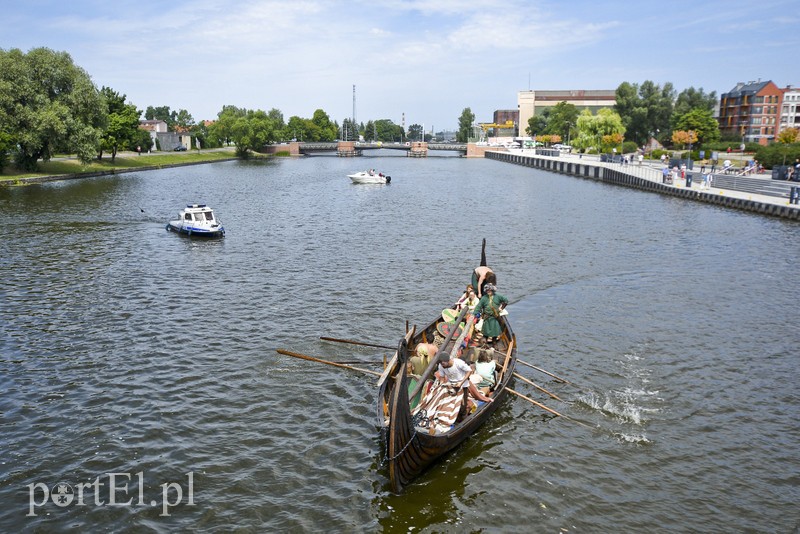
127, 349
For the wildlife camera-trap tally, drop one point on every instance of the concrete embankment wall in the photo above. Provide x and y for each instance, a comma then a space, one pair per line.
613, 176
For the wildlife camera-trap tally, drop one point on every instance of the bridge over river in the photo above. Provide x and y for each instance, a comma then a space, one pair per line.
352, 148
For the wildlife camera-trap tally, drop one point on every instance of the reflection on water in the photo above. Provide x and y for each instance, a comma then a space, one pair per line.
129, 349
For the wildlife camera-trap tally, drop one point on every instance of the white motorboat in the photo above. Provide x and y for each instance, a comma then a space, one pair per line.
197, 220
370, 177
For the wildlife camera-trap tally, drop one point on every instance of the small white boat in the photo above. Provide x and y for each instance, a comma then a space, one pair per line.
370, 177
197, 220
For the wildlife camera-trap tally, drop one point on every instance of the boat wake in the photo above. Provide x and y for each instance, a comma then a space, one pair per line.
630, 406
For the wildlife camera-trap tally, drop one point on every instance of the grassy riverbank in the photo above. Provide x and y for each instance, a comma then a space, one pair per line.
125, 161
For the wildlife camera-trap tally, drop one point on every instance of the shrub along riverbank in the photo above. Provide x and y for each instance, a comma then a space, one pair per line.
70, 167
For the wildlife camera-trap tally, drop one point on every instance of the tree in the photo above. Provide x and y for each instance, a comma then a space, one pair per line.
692, 98
141, 138
325, 131
700, 121
183, 120
201, 133
537, 125
683, 138
162, 113
601, 131
47, 103
222, 129
465, 122
252, 131
415, 132
549, 139
5, 148
562, 120
645, 110
349, 130
298, 129
276, 116
788, 136
388, 131
370, 132
122, 126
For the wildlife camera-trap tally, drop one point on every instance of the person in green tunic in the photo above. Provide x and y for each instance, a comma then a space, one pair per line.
489, 308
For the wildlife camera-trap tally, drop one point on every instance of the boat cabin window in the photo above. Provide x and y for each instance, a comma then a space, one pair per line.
188, 216
209, 216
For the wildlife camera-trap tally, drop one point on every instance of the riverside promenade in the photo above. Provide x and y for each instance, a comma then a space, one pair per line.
648, 177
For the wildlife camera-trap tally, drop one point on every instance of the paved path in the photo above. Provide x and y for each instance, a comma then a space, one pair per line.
651, 170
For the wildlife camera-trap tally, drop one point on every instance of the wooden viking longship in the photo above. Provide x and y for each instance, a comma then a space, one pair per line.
412, 441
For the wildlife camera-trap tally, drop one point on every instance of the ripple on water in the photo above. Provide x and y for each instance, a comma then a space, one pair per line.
126, 348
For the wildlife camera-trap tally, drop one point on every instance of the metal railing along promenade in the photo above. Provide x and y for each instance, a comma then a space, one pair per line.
649, 177
652, 171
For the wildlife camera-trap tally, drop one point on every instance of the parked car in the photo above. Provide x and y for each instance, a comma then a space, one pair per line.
179, 148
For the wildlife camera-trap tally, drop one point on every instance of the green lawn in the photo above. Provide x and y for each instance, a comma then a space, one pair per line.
126, 160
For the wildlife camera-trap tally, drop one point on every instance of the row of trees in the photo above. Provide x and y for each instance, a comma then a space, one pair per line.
641, 112
49, 105
252, 129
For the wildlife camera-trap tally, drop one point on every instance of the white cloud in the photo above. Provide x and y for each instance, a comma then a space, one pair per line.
428, 58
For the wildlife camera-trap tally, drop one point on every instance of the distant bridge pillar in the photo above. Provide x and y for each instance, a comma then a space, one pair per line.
419, 149
346, 148
293, 148
477, 151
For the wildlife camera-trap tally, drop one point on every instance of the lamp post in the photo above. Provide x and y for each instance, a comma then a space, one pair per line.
743, 132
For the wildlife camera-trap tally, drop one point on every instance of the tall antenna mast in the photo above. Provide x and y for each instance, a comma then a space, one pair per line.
354, 105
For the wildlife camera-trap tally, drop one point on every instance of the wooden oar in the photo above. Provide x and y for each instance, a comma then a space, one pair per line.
393, 362
543, 407
326, 362
355, 342
540, 388
545, 372
434, 363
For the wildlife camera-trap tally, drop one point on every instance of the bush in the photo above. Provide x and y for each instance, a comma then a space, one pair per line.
777, 154
629, 147
656, 154
694, 155
722, 146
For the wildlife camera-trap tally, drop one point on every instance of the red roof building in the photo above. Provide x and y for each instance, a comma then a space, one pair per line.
751, 111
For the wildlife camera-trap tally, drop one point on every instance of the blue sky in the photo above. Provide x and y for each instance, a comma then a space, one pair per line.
425, 59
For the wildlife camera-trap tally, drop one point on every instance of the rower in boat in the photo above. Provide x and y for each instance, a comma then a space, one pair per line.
416, 436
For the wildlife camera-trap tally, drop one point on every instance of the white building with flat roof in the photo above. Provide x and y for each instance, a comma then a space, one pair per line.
531, 103
790, 108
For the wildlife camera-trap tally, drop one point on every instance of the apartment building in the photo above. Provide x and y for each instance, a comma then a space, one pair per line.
790, 109
751, 111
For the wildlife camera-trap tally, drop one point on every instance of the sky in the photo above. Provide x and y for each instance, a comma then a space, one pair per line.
411, 61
